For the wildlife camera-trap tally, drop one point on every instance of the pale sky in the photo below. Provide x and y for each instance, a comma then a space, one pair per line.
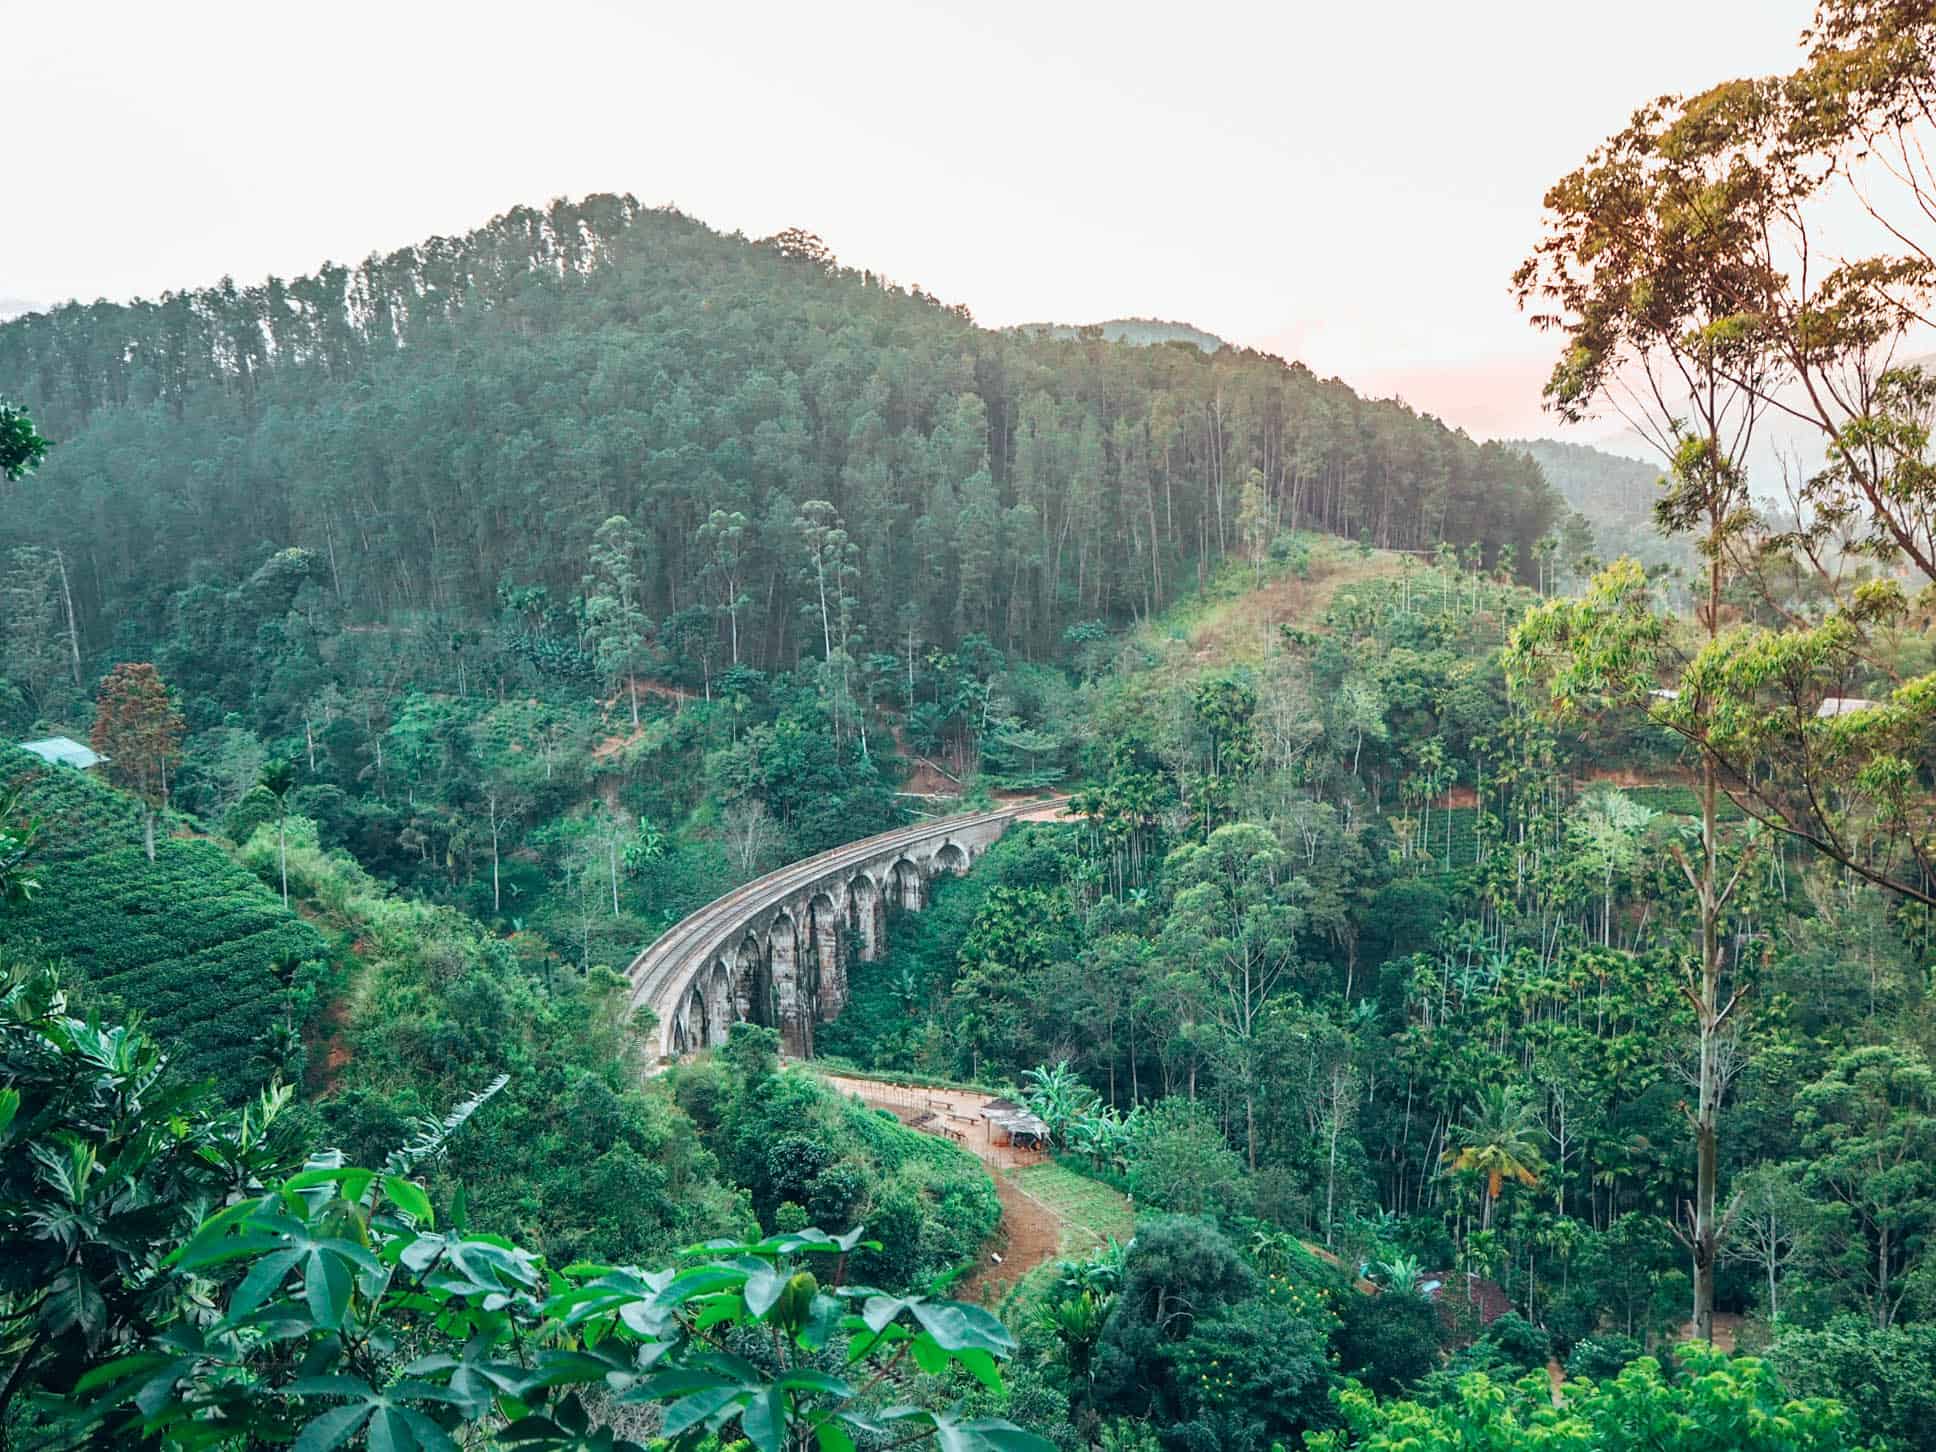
1345, 183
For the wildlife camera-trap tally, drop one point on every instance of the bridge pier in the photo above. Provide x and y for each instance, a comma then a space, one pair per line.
870, 917
830, 972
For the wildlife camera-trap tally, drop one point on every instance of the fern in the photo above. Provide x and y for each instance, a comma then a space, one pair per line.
431, 1137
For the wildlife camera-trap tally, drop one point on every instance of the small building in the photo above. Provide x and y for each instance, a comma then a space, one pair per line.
1841, 706
1010, 1124
64, 751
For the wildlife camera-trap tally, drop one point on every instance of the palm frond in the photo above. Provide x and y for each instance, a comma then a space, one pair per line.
431, 1137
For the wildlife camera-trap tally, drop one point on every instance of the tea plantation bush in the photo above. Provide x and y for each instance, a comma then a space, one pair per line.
191, 941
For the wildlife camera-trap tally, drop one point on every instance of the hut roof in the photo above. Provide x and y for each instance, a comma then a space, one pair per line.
1015, 1121
63, 751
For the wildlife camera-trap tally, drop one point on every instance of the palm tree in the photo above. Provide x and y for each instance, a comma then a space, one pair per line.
277, 778
1077, 1324
1501, 1142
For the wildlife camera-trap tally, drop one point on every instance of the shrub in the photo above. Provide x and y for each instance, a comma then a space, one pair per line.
1599, 1358
1389, 1341
1888, 1378
1179, 1162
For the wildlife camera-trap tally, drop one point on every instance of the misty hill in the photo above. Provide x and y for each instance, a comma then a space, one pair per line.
1142, 332
1614, 492
438, 433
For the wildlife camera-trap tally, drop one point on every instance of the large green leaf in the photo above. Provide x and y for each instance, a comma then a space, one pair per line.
764, 1421
74, 1303
332, 1429
690, 1411
988, 1434
409, 1198
326, 1287
957, 1326
764, 1286
264, 1277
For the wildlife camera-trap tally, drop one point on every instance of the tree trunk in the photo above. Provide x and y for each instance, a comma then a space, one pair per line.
1883, 1317
497, 902
1704, 1241
73, 634
1330, 1183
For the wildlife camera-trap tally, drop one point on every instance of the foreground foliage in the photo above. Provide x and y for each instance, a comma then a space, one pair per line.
169, 1282
355, 1315
1716, 1404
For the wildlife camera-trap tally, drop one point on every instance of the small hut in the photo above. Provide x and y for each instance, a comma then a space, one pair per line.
63, 751
1010, 1124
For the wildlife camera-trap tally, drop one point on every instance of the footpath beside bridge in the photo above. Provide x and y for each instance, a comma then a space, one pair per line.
777, 950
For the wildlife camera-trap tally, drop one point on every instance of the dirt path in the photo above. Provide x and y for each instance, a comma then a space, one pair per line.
1727, 1325
1030, 1233
949, 1113
1028, 1236
1051, 814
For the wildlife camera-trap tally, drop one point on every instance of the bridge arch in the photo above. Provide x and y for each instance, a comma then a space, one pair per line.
777, 950
906, 879
698, 1030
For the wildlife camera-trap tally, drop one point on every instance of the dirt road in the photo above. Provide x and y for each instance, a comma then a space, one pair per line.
1030, 1233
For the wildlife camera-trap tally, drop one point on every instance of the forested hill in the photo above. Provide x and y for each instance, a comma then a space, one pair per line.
1615, 493
445, 427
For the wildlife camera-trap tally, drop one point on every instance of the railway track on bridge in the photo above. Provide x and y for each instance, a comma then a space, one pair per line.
663, 973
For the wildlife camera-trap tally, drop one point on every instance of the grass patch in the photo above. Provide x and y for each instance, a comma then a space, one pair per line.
848, 1069
1679, 801
1235, 618
1089, 1210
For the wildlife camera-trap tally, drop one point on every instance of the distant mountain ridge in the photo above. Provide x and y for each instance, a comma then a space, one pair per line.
1139, 332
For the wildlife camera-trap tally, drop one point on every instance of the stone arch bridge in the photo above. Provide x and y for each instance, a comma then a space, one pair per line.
777, 950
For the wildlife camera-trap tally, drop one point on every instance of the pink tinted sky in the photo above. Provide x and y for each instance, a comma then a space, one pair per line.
1350, 184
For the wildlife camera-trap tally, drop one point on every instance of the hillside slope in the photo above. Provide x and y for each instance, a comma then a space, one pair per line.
1614, 492
191, 941
443, 429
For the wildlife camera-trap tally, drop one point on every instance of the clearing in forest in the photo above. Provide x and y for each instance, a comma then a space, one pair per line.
1048, 1212
1235, 620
